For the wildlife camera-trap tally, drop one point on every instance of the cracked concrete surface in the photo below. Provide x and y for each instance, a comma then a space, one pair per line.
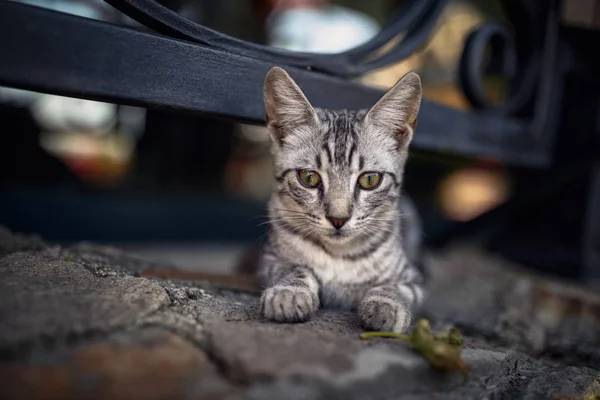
80, 322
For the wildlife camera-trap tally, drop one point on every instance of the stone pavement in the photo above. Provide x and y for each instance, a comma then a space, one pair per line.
89, 322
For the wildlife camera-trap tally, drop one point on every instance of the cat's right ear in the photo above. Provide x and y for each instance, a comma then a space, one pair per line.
286, 106
396, 112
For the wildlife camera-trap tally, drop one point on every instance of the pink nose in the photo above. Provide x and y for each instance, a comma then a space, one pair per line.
337, 222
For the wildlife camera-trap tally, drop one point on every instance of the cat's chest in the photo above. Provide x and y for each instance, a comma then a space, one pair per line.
343, 284
341, 296
341, 271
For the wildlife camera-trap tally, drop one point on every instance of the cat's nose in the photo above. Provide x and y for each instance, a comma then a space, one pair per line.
337, 222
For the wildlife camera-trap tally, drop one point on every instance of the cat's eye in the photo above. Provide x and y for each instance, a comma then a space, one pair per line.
369, 180
309, 178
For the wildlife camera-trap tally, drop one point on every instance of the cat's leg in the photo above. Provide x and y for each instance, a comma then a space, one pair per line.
390, 307
292, 297
411, 229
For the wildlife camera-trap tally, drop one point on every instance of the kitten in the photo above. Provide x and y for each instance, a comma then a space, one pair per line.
335, 231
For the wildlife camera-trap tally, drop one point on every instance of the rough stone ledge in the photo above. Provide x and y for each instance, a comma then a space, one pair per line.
496, 299
149, 364
79, 322
42, 300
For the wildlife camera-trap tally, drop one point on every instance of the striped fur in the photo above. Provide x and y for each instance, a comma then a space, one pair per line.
365, 265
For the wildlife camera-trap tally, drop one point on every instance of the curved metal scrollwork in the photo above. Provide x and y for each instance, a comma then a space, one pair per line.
473, 64
515, 53
415, 20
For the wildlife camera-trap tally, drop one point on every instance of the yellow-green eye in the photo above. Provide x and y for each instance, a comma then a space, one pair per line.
369, 180
308, 178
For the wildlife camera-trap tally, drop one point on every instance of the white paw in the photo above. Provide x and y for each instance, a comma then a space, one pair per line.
288, 304
383, 314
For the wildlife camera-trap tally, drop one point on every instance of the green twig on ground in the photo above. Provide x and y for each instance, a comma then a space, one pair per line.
442, 350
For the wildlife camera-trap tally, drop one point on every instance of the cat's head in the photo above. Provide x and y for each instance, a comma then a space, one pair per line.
338, 173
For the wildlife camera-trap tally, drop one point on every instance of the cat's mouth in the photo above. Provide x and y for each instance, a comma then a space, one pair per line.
338, 234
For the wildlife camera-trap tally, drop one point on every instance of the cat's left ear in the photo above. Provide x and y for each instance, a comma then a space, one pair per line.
396, 112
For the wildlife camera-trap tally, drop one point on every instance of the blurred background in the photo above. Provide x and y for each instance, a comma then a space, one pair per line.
191, 190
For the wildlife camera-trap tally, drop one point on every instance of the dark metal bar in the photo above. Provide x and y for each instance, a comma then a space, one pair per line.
416, 20
591, 229
72, 56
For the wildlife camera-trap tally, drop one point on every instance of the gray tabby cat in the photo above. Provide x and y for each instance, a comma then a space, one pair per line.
335, 231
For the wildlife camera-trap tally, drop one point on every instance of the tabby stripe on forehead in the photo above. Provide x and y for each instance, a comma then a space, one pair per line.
351, 154
343, 131
354, 144
328, 153
340, 148
325, 146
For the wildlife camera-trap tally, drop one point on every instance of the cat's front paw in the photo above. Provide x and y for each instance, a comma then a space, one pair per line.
384, 314
288, 304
